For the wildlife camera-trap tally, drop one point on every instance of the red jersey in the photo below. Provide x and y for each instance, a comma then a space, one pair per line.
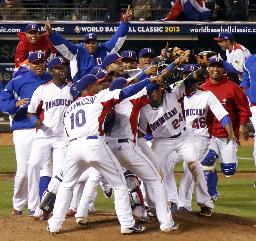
233, 100
24, 47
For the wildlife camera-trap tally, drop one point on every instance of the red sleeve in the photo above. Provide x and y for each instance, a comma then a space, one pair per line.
21, 53
175, 11
242, 105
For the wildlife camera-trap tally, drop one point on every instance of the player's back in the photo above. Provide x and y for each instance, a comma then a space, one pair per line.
196, 108
85, 116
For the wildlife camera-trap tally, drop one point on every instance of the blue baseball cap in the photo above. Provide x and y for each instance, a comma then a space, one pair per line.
224, 36
34, 56
129, 54
118, 83
82, 84
111, 58
31, 27
90, 36
215, 61
146, 51
55, 62
100, 72
151, 87
189, 68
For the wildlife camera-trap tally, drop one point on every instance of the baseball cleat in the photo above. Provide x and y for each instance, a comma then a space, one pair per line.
254, 185
183, 209
215, 196
174, 227
109, 193
31, 213
206, 211
16, 212
81, 221
52, 232
70, 213
173, 206
134, 229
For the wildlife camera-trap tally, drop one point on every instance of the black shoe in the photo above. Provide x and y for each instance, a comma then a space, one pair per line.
254, 185
134, 229
173, 206
109, 193
206, 211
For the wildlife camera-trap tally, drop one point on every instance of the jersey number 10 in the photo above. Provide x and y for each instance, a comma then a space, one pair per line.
77, 119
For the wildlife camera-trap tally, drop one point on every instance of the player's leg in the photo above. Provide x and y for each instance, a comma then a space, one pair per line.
187, 184
208, 163
186, 190
88, 195
228, 158
39, 155
186, 149
22, 141
73, 168
131, 157
253, 120
169, 180
45, 177
111, 169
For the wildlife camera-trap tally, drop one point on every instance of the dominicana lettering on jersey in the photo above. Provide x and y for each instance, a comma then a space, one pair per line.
163, 118
197, 112
57, 102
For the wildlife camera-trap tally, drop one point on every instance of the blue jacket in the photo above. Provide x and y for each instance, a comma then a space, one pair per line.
81, 62
249, 78
20, 87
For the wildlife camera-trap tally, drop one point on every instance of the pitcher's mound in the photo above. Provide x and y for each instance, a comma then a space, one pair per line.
104, 226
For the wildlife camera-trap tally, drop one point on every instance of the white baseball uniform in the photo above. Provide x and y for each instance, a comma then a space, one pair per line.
237, 56
84, 121
51, 102
122, 143
196, 108
170, 134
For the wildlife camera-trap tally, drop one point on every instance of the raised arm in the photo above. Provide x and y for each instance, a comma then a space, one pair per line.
66, 48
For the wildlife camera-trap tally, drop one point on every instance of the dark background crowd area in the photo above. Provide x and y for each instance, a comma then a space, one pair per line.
149, 10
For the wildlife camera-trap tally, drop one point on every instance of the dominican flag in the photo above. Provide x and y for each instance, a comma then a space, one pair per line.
194, 10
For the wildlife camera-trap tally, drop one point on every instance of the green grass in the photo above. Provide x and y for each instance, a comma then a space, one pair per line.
7, 159
238, 197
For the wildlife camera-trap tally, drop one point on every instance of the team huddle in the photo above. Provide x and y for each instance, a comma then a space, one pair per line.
122, 125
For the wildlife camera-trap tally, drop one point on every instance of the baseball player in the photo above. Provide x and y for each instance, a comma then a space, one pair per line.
45, 110
14, 100
121, 141
88, 148
248, 83
84, 56
31, 41
236, 104
197, 104
236, 53
165, 118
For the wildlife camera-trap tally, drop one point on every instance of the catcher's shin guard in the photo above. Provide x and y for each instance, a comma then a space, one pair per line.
212, 182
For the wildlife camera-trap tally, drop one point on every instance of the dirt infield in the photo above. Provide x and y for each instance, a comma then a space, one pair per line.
102, 226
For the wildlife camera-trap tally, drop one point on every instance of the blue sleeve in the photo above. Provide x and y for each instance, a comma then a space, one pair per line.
66, 48
133, 89
7, 99
229, 68
245, 83
117, 40
169, 68
141, 76
225, 121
